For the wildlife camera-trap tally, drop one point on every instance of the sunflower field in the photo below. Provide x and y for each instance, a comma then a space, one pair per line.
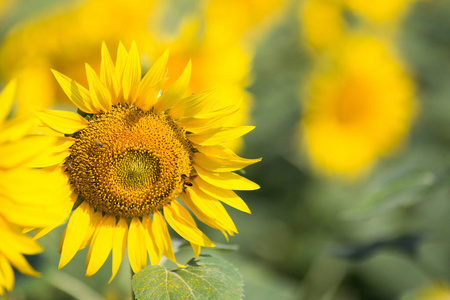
225, 149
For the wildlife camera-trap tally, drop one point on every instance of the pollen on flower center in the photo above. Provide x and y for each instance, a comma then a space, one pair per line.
135, 169
129, 162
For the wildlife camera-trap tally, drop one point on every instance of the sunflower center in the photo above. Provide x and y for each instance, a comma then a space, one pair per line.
353, 104
128, 162
135, 169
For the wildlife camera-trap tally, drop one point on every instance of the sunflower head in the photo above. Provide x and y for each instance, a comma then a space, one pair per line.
135, 151
358, 109
128, 162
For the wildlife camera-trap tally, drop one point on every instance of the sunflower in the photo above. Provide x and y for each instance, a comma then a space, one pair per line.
132, 152
321, 23
358, 109
23, 192
66, 36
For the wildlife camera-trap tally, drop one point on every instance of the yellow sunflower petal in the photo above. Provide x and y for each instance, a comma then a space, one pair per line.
204, 218
152, 82
76, 93
175, 92
162, 237
131, 75
219, 136
14, 241
137, 252
226, 196
15, 244
218, 164
196, 248
65, 208
48, 159
6, 99
94, 222
210, 207
108, 75
101, 245
153, 251
62, 121
52, 155
205, 121
183, 223
27, 191
16, 153
100, 95
18, 127
220, 151
19, 262
121, 60
226, 180
6, 274
190, 106
76, 230
119, 245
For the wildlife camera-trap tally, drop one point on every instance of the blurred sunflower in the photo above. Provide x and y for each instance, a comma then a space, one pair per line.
321, 23
66, 36
251, 19
134, 152
24, 191
357, 110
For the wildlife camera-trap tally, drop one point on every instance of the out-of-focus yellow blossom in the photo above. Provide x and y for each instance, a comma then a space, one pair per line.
321, 23
379, 11
23, 191
64, 39
228, 21
358, 109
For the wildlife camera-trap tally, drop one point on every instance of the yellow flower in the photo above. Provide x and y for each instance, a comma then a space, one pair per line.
251, 19
137, 150
67, 36
321, 23
359, 109
23, 192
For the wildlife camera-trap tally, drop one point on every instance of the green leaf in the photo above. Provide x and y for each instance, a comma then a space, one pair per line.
207, 277
401, 190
